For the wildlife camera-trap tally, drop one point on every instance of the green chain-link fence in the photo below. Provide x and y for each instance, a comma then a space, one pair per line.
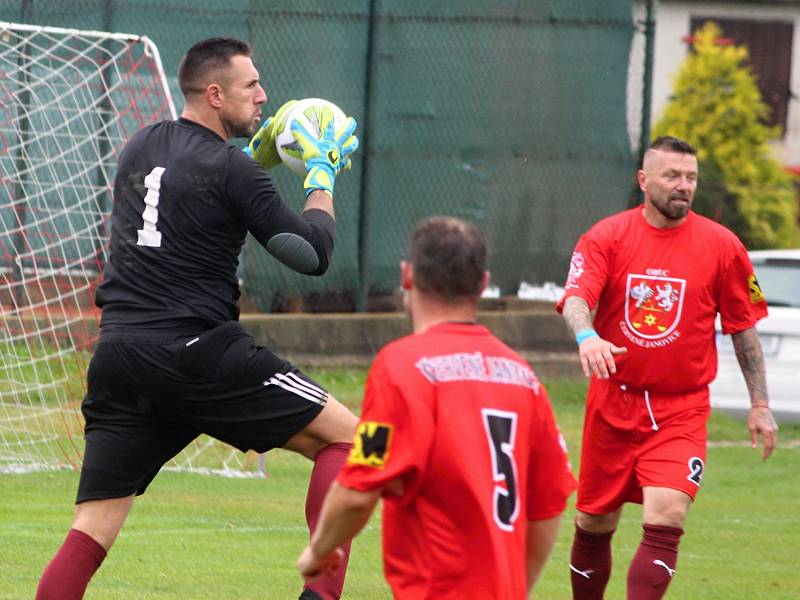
508, 113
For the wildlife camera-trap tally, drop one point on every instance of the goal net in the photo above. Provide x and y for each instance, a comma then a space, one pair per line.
69, 100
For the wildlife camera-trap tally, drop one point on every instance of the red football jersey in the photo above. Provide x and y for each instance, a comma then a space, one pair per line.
658, 292
464, 424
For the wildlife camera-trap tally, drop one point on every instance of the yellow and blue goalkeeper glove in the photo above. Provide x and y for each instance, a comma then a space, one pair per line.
328, 154
262, 144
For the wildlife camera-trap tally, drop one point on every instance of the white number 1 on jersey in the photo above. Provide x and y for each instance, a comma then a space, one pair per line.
148, 234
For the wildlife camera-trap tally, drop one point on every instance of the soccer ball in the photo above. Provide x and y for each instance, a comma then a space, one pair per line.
288, 148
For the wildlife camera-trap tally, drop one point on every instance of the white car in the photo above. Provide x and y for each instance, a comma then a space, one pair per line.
778, 274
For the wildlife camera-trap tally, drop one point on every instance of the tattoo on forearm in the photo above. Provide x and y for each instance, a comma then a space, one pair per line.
577, 314
751, 361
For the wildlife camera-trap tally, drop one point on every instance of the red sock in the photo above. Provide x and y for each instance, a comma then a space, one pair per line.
326, 466
70, 570
590, 564
653, 565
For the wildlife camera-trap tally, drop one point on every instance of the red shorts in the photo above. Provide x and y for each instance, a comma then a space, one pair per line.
622, 452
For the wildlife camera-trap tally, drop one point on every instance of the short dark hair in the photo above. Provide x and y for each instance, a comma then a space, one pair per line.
673, 144
207, 55
449, 256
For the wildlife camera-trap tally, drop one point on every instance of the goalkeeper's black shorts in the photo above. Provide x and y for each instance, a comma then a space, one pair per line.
149, 396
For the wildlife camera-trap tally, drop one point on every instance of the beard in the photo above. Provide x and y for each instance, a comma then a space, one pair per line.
243, 130
240, 127
674, 207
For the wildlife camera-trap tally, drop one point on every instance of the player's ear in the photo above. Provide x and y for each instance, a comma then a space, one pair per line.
485, 281
214, 95
641, 177
406, 275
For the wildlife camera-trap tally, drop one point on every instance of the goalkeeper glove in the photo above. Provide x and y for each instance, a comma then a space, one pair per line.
262, 144
327, 155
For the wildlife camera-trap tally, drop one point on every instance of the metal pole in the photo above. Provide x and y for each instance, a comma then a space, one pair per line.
104, 144
647, 90
21, 164
365, 201
27, 11
647, 94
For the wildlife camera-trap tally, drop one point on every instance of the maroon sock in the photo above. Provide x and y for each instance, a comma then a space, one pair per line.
326, 466
590, 564
69, 571
653, 565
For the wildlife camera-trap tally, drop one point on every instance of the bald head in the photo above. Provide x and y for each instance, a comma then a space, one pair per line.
665, 143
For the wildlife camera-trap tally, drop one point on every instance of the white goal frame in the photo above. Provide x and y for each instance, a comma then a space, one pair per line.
69, 101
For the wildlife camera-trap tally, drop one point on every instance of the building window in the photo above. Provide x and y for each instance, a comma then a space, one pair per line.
770, 46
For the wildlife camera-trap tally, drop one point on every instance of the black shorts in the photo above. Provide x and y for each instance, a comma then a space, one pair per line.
149, 396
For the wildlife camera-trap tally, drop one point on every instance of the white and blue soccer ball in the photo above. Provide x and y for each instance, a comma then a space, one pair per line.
288, 148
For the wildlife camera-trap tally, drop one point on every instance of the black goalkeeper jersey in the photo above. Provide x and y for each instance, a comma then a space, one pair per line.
184, 200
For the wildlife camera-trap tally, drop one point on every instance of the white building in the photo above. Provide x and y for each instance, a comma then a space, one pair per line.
768, 28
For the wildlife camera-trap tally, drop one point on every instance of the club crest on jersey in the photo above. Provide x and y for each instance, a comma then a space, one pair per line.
653, 305
371, 445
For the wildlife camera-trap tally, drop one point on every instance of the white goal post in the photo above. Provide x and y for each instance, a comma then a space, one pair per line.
69, 100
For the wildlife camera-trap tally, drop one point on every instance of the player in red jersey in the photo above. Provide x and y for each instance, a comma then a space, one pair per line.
458, 437
657, 276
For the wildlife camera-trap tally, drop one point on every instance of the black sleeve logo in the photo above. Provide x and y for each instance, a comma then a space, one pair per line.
756, 295
371, 445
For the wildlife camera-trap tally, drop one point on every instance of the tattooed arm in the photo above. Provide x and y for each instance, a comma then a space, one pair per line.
751, 361
597, 355
577, 314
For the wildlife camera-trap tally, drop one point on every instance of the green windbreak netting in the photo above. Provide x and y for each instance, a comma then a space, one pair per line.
508, 113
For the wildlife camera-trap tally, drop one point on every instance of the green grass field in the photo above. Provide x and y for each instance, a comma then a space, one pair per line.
196, 537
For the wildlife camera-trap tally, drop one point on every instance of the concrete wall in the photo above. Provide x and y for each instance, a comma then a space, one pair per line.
531, 328
345, 339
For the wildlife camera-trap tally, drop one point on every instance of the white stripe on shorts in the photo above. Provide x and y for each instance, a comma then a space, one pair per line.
309, 392
302, 383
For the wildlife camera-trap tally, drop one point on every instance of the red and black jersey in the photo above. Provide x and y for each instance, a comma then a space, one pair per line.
658, 291
184, 200
464, 424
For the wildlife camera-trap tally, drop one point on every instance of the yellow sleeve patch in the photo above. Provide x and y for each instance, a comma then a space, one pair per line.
371, 445
756, 295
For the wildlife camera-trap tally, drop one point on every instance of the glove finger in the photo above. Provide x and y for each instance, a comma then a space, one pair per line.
282, 113
264, 125
324, 119
262, 131
257, 138
346, 130
327, 131
308, 142
349, 146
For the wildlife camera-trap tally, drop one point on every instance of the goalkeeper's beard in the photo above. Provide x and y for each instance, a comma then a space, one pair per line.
243, 129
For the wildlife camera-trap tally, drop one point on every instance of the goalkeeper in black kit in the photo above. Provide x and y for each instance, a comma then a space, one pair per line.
172, 361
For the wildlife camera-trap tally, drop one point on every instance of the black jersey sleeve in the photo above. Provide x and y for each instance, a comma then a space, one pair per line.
303, 242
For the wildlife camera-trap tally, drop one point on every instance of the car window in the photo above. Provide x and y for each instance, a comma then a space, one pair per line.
779, 279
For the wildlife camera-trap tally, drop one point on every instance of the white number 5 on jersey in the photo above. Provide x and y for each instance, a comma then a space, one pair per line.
501, 431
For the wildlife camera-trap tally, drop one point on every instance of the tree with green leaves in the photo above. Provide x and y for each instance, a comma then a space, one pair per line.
716, 105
